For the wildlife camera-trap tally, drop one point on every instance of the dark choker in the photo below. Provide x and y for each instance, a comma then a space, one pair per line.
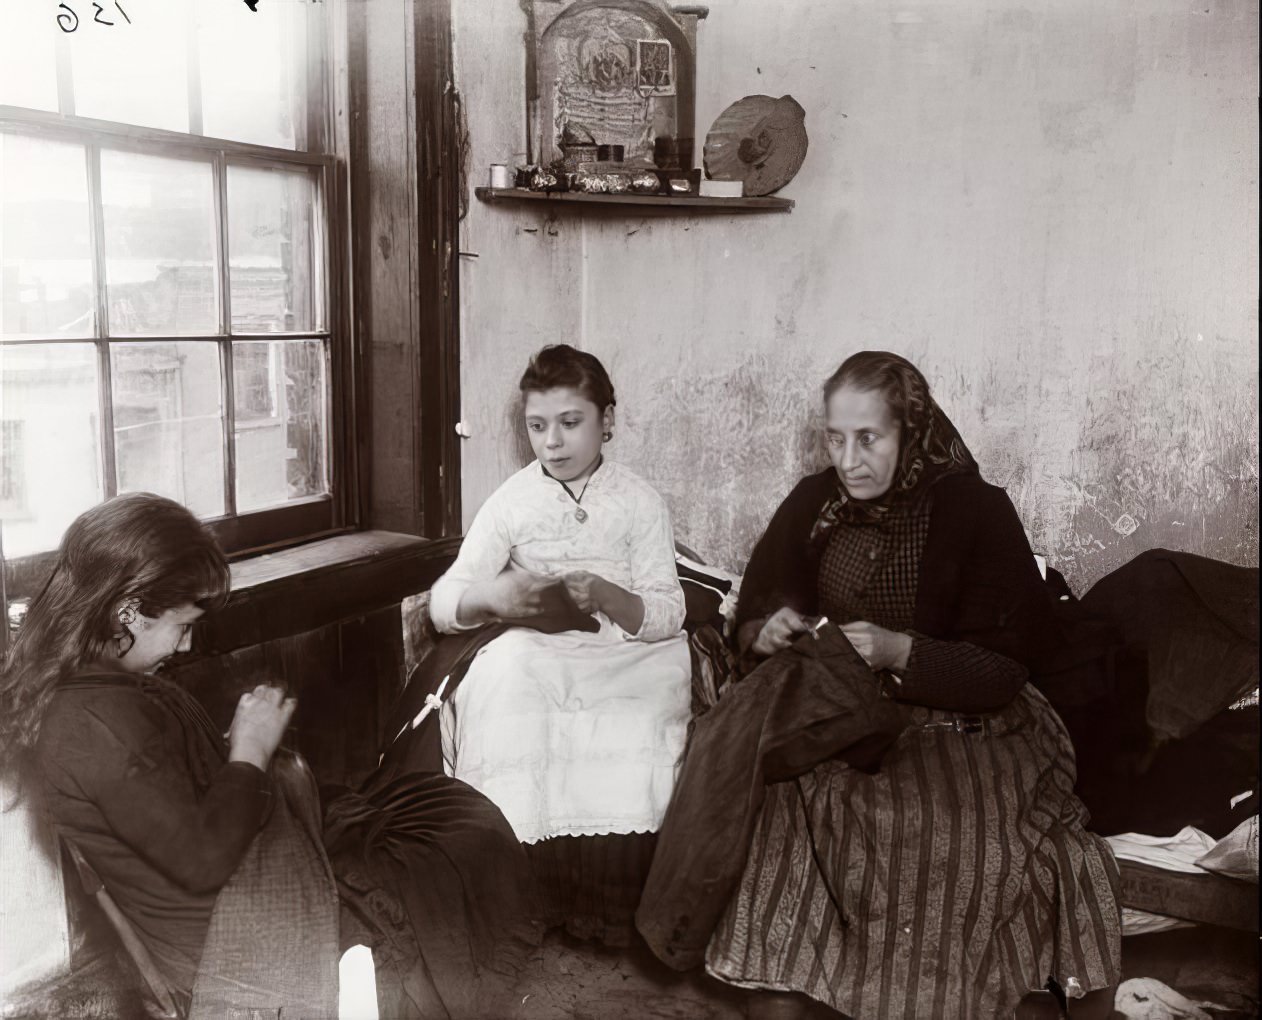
580, 514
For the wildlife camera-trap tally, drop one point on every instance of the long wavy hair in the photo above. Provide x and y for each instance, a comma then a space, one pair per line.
136, 546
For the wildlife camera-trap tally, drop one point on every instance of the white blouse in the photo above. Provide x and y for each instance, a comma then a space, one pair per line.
531, 522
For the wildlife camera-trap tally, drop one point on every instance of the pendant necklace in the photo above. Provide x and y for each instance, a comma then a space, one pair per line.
580, 514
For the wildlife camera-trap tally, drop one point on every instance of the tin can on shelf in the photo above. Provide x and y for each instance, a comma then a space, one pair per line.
500, 177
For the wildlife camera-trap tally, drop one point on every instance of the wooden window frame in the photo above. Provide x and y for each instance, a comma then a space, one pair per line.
439, 190
240, 534
434, 505
441, 197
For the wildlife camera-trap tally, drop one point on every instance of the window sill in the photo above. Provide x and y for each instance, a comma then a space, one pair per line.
328, 581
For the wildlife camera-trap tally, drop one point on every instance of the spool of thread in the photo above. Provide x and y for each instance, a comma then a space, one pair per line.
500, 177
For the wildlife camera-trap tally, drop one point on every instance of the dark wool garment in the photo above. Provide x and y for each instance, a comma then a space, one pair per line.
118, 782
428, 871
952, 568
870, 572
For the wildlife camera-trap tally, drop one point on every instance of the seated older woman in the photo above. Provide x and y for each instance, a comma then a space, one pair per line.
954, 875
212, 847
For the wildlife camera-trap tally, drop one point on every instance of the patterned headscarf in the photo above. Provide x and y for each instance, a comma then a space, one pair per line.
930, 446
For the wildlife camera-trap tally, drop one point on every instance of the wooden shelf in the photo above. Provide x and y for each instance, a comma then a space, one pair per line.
697, 204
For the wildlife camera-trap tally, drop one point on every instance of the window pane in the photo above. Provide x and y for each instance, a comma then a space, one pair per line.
45, 253
50, 458
267, 105
270, 245
135, 70
279, 393
28, 58
159, 244
168, 422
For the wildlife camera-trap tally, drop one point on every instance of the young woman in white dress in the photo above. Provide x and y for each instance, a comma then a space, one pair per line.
574, 733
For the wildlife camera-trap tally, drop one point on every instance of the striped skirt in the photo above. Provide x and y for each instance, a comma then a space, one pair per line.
947, 885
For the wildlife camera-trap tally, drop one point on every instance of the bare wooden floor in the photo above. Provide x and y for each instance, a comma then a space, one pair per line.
567, 980
570, 980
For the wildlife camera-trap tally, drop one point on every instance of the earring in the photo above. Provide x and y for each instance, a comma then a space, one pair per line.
126, 617
607, 435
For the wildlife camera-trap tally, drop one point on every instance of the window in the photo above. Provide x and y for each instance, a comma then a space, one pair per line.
254, 383
12, 469
168, 310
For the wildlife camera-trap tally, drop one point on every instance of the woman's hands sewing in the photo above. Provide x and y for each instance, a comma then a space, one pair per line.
260, 722
593, 594
878, 647
781, 630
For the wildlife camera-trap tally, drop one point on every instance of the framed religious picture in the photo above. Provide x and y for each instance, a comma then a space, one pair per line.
616, 73
654, 67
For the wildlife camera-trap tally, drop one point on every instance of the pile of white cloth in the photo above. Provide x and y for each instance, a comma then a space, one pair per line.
1192, 852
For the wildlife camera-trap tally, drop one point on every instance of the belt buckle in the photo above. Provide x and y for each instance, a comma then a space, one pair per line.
970, 724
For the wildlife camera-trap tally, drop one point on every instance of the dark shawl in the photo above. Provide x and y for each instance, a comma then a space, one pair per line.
978, 581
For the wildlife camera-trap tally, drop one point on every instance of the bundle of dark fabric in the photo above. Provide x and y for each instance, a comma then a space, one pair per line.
807, 704
432, 879
1157, 746
1194, 623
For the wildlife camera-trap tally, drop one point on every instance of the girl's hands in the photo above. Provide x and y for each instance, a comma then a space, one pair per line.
516, 593
260, 722
878, 647
512, 593
585, 588
594, 594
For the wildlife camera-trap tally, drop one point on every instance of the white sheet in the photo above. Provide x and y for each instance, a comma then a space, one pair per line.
1179, 852
1142, 922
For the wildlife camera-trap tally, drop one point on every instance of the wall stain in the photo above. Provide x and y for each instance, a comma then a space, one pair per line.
1162, 453
1051, 278
724, 448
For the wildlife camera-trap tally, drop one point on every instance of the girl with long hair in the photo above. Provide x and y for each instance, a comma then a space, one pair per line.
211, 845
